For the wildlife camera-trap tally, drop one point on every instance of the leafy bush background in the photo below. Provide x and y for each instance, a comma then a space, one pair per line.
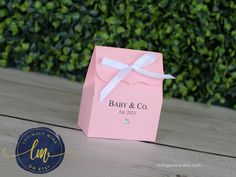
197, 39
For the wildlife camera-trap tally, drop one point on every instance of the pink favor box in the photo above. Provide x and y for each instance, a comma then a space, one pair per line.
131, 109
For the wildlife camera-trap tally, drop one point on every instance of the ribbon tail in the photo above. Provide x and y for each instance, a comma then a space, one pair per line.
113, 83
146, 59
154, 75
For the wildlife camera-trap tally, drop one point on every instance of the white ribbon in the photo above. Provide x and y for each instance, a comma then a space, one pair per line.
144, 60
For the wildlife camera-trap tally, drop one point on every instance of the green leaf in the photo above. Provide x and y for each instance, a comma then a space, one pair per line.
50, 5
3, 13
3, 63
38, 4
25, 46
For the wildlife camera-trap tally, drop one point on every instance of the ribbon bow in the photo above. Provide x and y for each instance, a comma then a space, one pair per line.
144, 60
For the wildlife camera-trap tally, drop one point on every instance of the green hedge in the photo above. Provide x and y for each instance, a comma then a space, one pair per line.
197, 39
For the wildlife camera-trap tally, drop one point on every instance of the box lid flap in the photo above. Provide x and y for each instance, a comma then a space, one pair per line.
126, 56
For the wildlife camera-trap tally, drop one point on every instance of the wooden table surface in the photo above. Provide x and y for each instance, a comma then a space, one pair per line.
193, 140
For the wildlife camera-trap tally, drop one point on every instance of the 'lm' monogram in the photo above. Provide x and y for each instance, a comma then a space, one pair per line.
40, 153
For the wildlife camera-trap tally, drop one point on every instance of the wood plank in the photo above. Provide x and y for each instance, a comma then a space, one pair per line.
194, 126
39, 80
39, 103
99, 157
54, 100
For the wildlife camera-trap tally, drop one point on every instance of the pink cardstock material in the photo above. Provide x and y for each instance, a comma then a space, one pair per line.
132, 110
